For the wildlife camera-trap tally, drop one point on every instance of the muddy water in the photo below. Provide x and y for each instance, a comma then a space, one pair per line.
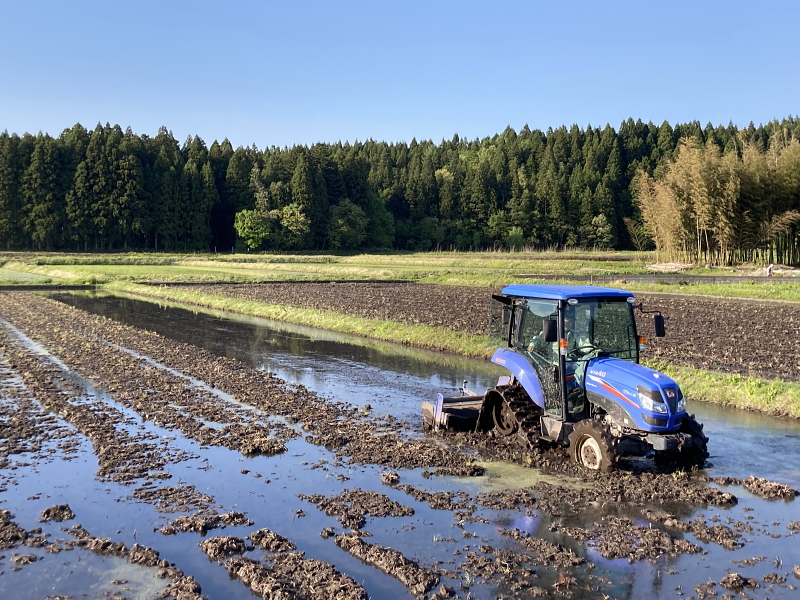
391, 379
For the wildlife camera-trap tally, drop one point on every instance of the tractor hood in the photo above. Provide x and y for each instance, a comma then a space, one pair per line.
617, 384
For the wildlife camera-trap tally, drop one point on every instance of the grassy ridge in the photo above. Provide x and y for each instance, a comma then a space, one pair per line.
775, 397
422, 336
772, 397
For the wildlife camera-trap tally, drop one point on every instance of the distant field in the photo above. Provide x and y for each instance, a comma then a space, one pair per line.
483, 269
10, 276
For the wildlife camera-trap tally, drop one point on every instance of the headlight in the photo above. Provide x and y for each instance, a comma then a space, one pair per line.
681, 404
652, 405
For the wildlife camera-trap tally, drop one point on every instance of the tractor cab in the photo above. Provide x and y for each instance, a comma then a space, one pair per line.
559, 330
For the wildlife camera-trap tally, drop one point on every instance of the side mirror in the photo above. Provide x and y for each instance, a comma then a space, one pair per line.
658, 321
549, 331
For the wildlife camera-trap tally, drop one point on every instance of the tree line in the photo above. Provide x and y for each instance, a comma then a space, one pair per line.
109, 189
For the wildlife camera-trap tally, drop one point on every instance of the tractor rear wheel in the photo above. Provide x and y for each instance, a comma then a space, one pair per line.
505, 422
591, 446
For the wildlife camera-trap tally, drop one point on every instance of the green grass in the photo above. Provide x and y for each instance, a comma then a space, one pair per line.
746, 289
9, 276
775, 397
484, 269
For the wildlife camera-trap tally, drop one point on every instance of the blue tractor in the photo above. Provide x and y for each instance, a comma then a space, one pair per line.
575, 380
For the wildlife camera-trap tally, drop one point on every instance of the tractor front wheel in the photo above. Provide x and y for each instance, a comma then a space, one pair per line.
591, 446
696, 455
692, 456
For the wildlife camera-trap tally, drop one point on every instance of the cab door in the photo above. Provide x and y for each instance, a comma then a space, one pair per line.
543, 356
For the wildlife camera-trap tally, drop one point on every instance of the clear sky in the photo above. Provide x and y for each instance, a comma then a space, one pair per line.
302, 71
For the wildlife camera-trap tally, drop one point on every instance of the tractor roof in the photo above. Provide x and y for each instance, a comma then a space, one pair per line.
563, 292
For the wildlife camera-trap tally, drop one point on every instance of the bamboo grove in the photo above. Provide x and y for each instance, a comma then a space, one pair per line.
713, 194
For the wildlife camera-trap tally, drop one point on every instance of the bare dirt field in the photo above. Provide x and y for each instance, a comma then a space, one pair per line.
748, 337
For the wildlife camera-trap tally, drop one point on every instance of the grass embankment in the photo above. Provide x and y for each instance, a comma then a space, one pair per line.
422, 336
747, 289
486, 269
775, 397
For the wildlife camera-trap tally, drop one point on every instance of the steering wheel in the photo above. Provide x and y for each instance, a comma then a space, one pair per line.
582, 350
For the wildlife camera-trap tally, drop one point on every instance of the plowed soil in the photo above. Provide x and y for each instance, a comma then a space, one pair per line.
749, 337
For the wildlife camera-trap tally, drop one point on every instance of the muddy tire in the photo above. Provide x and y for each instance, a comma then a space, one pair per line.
696, 455
505, 422
591, 446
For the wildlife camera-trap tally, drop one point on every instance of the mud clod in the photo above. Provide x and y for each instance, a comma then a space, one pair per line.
417, 579
736, 582
24, 559
11, 534
768, 489
773, 579
546, 553
286, 576
390, 478
271, 541
352, 506
221, 547
58, 513
203, 523
140, 555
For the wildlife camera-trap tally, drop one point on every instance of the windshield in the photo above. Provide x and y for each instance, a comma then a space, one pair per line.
602, 326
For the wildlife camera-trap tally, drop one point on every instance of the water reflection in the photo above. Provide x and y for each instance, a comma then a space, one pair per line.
389, 377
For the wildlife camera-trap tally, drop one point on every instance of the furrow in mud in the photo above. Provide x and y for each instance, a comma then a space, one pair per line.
86, 343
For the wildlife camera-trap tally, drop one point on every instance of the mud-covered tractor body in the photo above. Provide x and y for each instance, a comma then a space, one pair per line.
575, 379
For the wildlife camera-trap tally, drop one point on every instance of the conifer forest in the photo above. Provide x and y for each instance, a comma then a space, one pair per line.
713, 194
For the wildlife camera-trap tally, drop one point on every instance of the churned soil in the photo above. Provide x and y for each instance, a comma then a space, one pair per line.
221, 547
58, 513
271, 541
768, 489
417, 579
451, 307
749, 337
291, 575
351, 507
149, 376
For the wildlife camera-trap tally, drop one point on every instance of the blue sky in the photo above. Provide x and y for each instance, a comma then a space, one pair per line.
284, 73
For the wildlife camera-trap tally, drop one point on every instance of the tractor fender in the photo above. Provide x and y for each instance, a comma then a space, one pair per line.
522, 370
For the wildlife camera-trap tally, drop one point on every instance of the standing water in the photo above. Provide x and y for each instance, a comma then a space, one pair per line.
394, 380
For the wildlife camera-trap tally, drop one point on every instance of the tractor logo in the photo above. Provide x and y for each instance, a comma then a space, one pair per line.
670, 394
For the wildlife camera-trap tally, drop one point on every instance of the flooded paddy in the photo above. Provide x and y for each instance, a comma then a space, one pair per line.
176, 437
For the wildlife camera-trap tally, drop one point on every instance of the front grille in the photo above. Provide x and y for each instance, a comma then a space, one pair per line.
654, 421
